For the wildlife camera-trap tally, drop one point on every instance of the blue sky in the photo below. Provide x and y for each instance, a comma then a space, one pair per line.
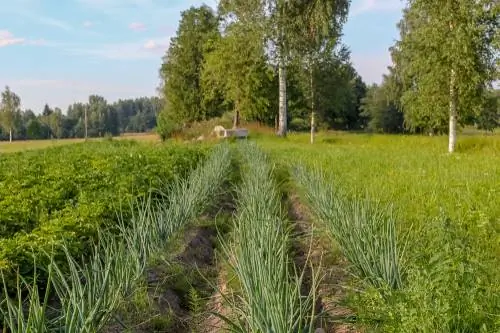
61, 51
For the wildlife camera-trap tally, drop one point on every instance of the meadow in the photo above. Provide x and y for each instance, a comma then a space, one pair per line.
357, 232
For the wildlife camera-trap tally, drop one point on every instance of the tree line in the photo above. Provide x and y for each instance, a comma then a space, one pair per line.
95, 118
283, 63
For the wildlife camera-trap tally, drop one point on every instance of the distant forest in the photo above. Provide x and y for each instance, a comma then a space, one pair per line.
123, 116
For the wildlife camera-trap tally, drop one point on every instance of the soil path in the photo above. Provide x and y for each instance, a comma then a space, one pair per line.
313, 244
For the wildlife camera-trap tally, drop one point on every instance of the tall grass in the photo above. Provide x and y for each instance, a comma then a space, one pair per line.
270, 299
366, 233
88, 294
19, 317
447, 207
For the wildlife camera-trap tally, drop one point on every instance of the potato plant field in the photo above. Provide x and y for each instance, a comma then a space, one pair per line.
68, 193
355, 233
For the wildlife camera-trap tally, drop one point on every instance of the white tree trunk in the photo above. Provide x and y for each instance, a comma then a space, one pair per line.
312, 101
236, 119
10, 135
283, 107
312, 127
452, 139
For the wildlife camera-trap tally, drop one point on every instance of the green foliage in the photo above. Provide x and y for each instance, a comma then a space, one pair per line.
299, 125
337, 92
65, 194
291, 28
9, 109
438, 39
237, 68
90, 293
489, 117
445, 204
381, 108
270, 299
131, 115
168, 125
450, 287
182, 67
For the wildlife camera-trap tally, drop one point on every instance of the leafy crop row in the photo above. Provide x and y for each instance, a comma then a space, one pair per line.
91, 292
68, 193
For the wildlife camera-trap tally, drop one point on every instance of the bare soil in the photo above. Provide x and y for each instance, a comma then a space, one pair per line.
313, 245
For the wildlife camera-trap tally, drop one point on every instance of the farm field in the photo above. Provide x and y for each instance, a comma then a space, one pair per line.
446, 213
69, 192
15, 146
400, 236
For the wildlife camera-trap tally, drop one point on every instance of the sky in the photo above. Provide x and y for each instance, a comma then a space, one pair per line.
61, 51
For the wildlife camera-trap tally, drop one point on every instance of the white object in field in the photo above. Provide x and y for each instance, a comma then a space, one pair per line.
222, 132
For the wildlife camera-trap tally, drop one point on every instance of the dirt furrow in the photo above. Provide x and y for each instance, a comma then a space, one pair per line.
314, 248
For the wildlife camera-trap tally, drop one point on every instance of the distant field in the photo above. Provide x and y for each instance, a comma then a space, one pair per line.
10, 147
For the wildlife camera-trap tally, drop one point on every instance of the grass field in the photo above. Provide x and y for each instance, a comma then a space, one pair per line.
446, 211
401, 236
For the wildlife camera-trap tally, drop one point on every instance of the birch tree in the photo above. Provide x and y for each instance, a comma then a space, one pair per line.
280, 23
446, 61
10, 107
317, 33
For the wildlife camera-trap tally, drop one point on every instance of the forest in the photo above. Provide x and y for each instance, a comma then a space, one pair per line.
95, 118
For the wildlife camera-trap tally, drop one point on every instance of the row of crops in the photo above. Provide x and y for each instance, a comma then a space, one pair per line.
89, 292
69, 193
438, 277
428, 281
419, 229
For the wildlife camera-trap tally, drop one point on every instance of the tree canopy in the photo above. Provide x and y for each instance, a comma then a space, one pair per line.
283, 63
446, 62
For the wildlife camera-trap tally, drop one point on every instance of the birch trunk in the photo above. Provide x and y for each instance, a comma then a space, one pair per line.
236, 119
312, 102
282, 113
10, 135
452, 142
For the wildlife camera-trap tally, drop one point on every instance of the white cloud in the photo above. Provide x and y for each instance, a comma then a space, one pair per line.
88, 24
137, 26
364, 6
159, 44
7, 38
149, 49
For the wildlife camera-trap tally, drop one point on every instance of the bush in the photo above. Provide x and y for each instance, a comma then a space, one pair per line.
167, 126
299, 124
